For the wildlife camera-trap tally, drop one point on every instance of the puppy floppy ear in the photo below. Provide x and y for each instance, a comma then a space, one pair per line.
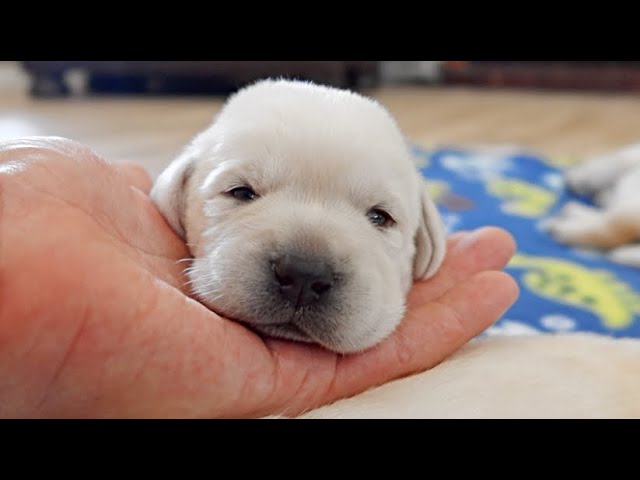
430, 239
169, 191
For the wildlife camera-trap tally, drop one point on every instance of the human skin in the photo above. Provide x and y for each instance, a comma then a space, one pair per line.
96, 320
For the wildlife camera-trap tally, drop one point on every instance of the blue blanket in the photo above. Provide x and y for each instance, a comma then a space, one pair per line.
562, 288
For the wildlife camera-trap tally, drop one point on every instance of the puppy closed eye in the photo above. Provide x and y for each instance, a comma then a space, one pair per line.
380, 218
244, 193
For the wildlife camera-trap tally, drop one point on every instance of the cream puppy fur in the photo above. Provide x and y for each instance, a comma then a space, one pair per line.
613, 180
308, 220
540, 376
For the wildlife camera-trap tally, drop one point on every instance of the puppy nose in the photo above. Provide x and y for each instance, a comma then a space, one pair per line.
302, 281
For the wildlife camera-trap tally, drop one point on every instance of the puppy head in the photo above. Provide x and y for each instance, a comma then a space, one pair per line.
305, 215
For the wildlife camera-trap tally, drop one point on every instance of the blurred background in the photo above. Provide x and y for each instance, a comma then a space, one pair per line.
145, 111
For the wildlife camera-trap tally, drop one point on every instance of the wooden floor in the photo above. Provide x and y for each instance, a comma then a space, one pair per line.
152, 130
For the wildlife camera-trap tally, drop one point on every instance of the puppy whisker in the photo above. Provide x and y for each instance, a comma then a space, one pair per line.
183, 260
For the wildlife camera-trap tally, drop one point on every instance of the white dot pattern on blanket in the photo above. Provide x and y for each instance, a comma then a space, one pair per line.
558, 323
511, 328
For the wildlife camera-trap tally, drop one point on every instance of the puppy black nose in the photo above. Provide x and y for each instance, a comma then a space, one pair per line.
302, 281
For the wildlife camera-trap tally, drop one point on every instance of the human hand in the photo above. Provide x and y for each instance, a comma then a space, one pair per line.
95, 320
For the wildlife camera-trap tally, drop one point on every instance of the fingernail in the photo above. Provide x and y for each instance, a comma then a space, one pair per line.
459, 235
467, 241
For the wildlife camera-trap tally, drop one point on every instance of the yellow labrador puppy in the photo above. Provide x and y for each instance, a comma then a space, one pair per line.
305, 215
308, 220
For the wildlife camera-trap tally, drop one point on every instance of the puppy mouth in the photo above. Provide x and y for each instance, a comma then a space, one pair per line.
289, 331
285, 329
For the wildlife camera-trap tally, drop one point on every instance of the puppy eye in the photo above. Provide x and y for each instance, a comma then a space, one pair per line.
244, 194
380, 218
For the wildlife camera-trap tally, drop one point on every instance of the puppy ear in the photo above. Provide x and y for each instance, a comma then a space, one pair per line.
168, 192
430, 239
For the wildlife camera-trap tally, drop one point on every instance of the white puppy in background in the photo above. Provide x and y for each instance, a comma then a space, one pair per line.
307, 219
613, 181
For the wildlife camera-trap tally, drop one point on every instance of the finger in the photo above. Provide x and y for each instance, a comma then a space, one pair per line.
429, 334
487, 248
136, 176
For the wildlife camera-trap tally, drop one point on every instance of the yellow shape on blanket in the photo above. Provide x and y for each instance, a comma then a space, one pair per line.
522, 198
562, 161
597, 291
437, 189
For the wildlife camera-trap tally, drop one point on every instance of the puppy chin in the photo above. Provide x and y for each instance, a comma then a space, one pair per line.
291, 331
286, 331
